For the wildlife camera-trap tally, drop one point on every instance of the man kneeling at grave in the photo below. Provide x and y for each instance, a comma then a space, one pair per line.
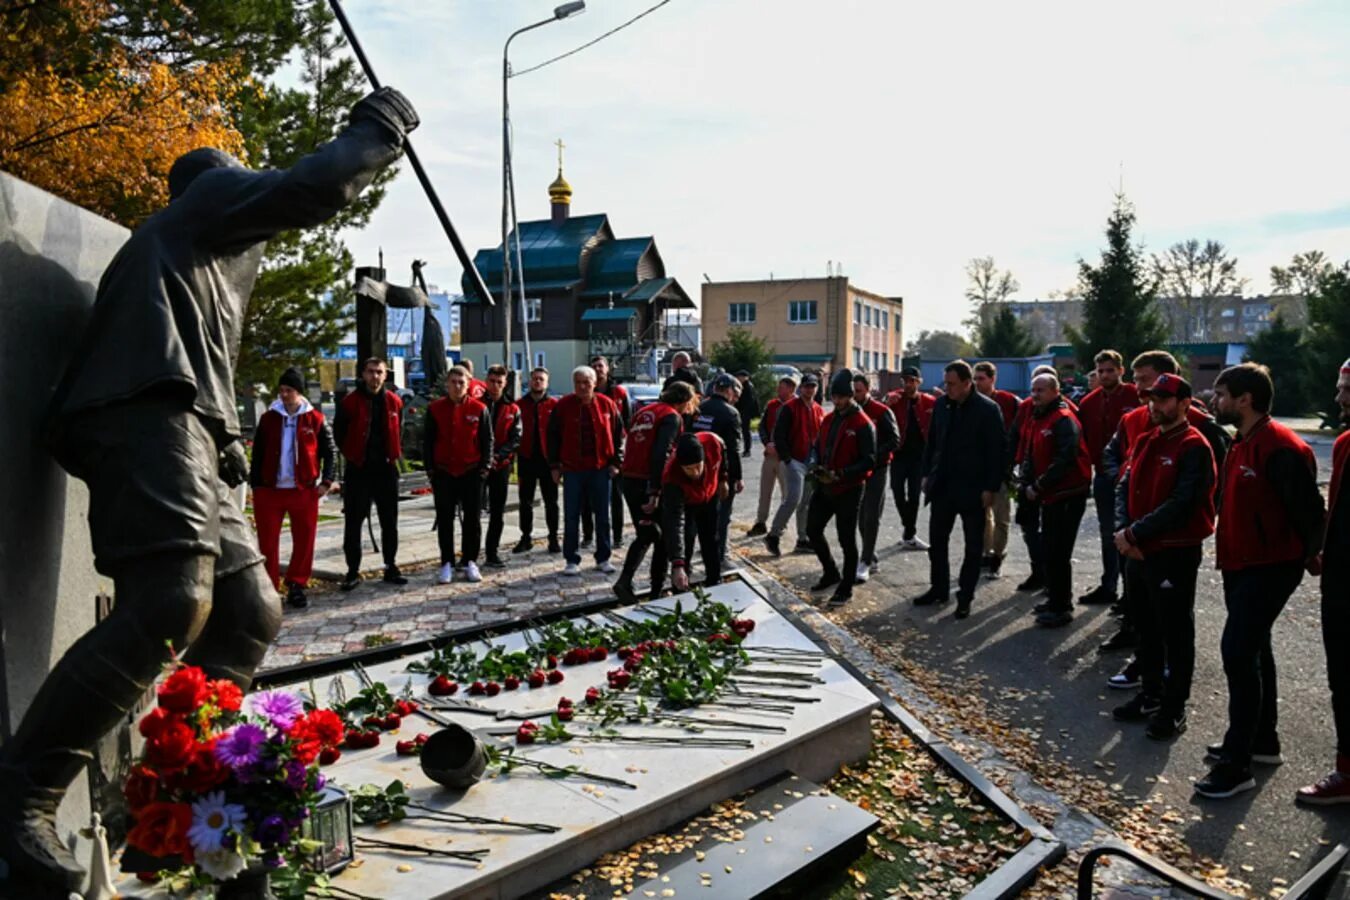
694, 485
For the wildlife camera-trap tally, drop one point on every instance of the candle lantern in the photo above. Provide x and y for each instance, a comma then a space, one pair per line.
330, 824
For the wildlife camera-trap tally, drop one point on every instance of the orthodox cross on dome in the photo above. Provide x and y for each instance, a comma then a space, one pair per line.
560, 192
561, 146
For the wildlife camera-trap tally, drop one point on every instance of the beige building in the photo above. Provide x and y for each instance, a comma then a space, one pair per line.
811, 323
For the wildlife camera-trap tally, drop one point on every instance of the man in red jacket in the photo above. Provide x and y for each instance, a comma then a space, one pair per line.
794, 434
585, 450
506, 431
457, 445
771, 469
874, 494
1164, 511
291, 469
694, 484
368, 429
1028, 515
477, 388
1100, 413
1270, 528
913, 411
997, 518
605, 386
1057, 476
533, 470
1334, 788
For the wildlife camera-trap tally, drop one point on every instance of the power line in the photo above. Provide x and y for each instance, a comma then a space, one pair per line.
615, 30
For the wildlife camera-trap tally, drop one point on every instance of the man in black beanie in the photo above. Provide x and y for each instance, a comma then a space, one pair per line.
693, 485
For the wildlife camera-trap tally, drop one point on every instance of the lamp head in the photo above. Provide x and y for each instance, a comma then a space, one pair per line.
569, 9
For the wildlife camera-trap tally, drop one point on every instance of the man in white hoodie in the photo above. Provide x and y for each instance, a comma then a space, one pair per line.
291, 469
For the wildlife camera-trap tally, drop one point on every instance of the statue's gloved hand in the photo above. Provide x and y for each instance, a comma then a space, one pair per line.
388, 107
233, 465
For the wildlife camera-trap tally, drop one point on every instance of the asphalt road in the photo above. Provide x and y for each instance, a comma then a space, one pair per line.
1059, 680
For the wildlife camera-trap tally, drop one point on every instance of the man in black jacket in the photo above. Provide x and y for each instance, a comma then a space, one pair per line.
748, 406
962, 468
718, 414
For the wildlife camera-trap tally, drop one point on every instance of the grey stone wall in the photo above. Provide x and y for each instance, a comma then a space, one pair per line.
52, 254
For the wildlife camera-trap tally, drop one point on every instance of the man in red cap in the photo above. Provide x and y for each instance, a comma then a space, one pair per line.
1164, 511
1270, 528
1334, 788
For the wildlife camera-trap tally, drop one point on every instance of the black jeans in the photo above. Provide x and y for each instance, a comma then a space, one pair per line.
362, 486
648, 529
1254, 597
1028, 518
1165, 585
1336, 639
498, 482
463, 493
615, 511
843, 508
941, 520
532, 473
906, 481
869, 517
704, 517
1104, 498
1059, 532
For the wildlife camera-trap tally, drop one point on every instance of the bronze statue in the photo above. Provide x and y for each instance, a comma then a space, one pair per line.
146, 416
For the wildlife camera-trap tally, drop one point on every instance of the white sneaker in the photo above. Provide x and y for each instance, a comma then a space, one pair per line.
916, 543
471, 571
607, 567
446, 574
571, 569
864, 573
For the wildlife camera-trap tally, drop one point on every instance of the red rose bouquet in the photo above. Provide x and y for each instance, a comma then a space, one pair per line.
224, 783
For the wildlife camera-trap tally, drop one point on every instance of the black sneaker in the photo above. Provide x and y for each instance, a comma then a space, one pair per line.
1117, 609
524, 545
1166, 725
350, 581
803, 547
1098, 596
771, 543
1127, 678
295, 597
1032, 584
826, 582
1124, 639
932, 598
759, 529
1140, 708
995, 567
1265, 754
1225, 780
586, 541
554, 546
616, 544
393, 576
1041, 608
962, 607
839, 598
1054, 618
495, 562
623, 589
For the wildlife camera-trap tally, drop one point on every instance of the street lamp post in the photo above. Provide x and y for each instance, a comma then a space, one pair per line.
508, 215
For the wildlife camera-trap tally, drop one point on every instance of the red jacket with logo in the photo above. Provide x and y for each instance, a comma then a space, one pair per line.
1340, 455
1100, 413
506, 433
564, 434
652, 426
1076, 477
769, 419
1255, 528
476, 389
534, 425
1152, 481
309, 427
878, 412
852, 451
804, 421
703, 489
356, 408
459, 436
899, 405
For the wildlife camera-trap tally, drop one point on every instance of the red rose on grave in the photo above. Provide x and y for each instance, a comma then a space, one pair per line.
592, 696
156, 720
172, 749
406, 748
141, 788
202, 774
537, 678
565, 713
492, 688
161, 829
599, 653
226, 694
184, 690
329, 755
552, 661
510, 683
478, 689
442, 686
555, 676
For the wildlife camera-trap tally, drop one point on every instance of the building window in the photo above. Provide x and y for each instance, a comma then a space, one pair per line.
885, 319
882, 367
539, 360
857, 312
857, 358
897, 324
741, 313
517, 360
534, 309
802, 312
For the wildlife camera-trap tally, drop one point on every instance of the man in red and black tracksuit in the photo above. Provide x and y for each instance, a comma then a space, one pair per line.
1100, 413
694, 483
605, 386
477, 388
874, 494
532, 471
458, 446
913, 411
1164, 512
997, 518
290, 470
1028, 515
844, 455
1056, 475
794, 434
1270, 528
585, 450
506, 431
1334, 788
367, 429
651, 434
771, 469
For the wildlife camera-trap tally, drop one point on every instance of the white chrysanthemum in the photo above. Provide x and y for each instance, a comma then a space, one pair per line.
222, 865
212, 817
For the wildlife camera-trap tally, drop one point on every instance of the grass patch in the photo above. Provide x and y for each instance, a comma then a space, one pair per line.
376, 640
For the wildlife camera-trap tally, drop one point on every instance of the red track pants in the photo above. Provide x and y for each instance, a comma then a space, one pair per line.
270, 505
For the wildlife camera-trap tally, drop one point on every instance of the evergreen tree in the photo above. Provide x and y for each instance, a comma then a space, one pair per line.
302, 302
1327, 342
1006, 336
1119, 298
1280, 349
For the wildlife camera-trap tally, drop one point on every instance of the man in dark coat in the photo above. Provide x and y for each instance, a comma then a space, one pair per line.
718, 414
962, 468
146, 417
748, 406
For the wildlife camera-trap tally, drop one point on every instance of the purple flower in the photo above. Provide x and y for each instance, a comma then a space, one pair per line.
240, 746
319, 781
272, 832
296, 775
281, 708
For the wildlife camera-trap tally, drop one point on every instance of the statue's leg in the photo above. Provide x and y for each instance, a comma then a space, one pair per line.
160, 599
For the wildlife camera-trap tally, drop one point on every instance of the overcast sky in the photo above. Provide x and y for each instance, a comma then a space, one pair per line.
769, 136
